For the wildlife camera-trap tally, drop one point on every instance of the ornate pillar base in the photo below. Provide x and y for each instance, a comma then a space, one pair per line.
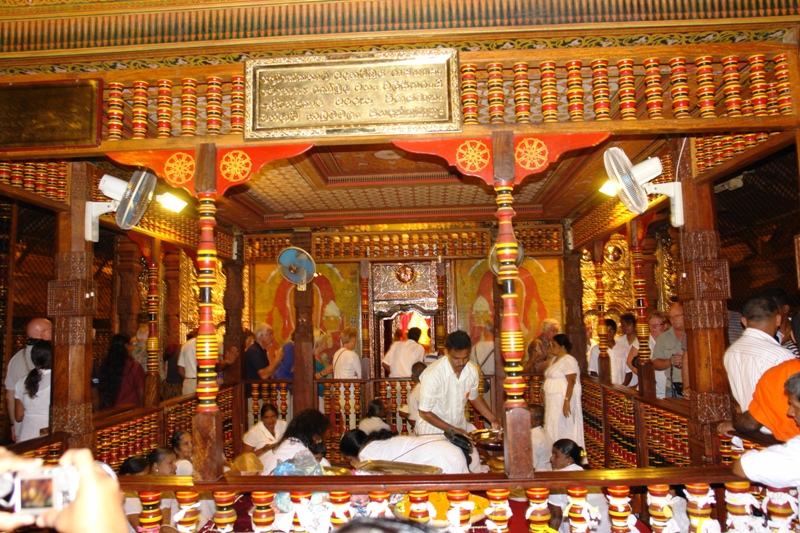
707, 409
207, 443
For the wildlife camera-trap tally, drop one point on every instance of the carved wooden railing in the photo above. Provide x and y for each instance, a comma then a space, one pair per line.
733, 506
624, 430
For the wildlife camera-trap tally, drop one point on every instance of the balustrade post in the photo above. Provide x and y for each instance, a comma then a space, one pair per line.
420, 509
700, 497
538, 512
264, 514
659, 506
341, 513
150, 517
460, 509
378, 506
225, 516
619, 509
189, 514
739, 503
582, 516
499, 512
781, 506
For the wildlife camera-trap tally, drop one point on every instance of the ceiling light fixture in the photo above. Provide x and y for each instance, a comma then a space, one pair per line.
171, 202
608, 188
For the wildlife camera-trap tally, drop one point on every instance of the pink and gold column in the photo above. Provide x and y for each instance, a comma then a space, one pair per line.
207, 349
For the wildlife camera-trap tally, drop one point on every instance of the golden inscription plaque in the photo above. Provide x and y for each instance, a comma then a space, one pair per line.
57, 114
393, 92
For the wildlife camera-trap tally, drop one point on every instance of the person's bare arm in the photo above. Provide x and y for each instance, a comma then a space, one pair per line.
746, 423
571, 378
10, 404
181, 371
634, 351
738, 470
433, 419
269, 370
19, 410
556, 516
726, 428
661, 364
483, 408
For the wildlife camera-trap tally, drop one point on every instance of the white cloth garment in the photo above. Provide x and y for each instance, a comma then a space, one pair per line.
432, 450
747, 359
401, 357
483, 356
413, 403
542, 448
36, 410
18, 368
777, 466
446, 395
285, 451
556, 424
259, 436
593, 357
188, 360
346, 364
372, 424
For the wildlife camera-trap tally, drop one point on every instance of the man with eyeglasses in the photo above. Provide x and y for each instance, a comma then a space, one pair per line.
668, 354
657, 324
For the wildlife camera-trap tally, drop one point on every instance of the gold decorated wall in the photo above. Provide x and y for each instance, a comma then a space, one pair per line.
540, 291
336, 299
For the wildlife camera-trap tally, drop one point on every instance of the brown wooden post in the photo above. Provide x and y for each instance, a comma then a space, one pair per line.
71, 302
207, 422
304, 395
129, 268
573, 299
704, 289
233, 300
518, 452
172, 305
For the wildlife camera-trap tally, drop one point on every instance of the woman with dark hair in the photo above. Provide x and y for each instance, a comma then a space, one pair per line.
373, 421
181, 444
306, 432
121, 377
32, 393
568, 457
383, 445
262, 437
562, 393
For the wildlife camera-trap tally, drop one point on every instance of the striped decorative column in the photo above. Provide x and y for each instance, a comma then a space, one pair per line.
511, 340
640, 304
207, 349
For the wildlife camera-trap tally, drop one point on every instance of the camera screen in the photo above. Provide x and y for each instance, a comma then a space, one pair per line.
36, 493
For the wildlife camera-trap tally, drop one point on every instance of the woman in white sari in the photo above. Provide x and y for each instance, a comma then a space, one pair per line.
262, 437
562, 393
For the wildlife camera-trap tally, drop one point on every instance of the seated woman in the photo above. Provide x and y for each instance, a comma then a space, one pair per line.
262, 437
431, 450
181, 443
133, 466
373, 421
306, 432
568, 457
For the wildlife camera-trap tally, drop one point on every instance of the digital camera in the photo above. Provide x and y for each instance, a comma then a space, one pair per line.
37, 491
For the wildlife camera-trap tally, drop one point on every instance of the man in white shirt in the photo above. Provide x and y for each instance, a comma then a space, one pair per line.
21, 365
592, 352
617, 353
347, 365
776, 466
413, 395
187, 365
403, 354
756, 351
667, 357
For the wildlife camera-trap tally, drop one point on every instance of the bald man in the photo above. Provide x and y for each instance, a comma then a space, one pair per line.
21, 364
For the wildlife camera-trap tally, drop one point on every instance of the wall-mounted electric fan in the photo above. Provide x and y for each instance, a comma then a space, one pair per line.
128, 198
296, 266
632, 183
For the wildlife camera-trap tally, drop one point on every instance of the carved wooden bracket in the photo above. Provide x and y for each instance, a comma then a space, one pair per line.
474, 157
709, 279
234, 165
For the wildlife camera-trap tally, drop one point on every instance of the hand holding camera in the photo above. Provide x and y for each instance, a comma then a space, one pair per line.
66, 498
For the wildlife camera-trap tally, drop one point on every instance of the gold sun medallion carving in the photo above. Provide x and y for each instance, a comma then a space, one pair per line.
235, 166
473, 156
179, 168
531, 154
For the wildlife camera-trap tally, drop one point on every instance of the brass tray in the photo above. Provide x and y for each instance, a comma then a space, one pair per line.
396, 468
488, 439
336, 471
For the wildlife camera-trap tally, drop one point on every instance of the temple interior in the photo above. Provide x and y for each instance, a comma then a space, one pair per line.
483, 208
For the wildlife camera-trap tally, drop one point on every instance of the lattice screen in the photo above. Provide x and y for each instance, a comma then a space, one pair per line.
757, 225
103, 274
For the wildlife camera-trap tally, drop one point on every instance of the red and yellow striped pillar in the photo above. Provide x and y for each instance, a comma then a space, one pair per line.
207, 349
